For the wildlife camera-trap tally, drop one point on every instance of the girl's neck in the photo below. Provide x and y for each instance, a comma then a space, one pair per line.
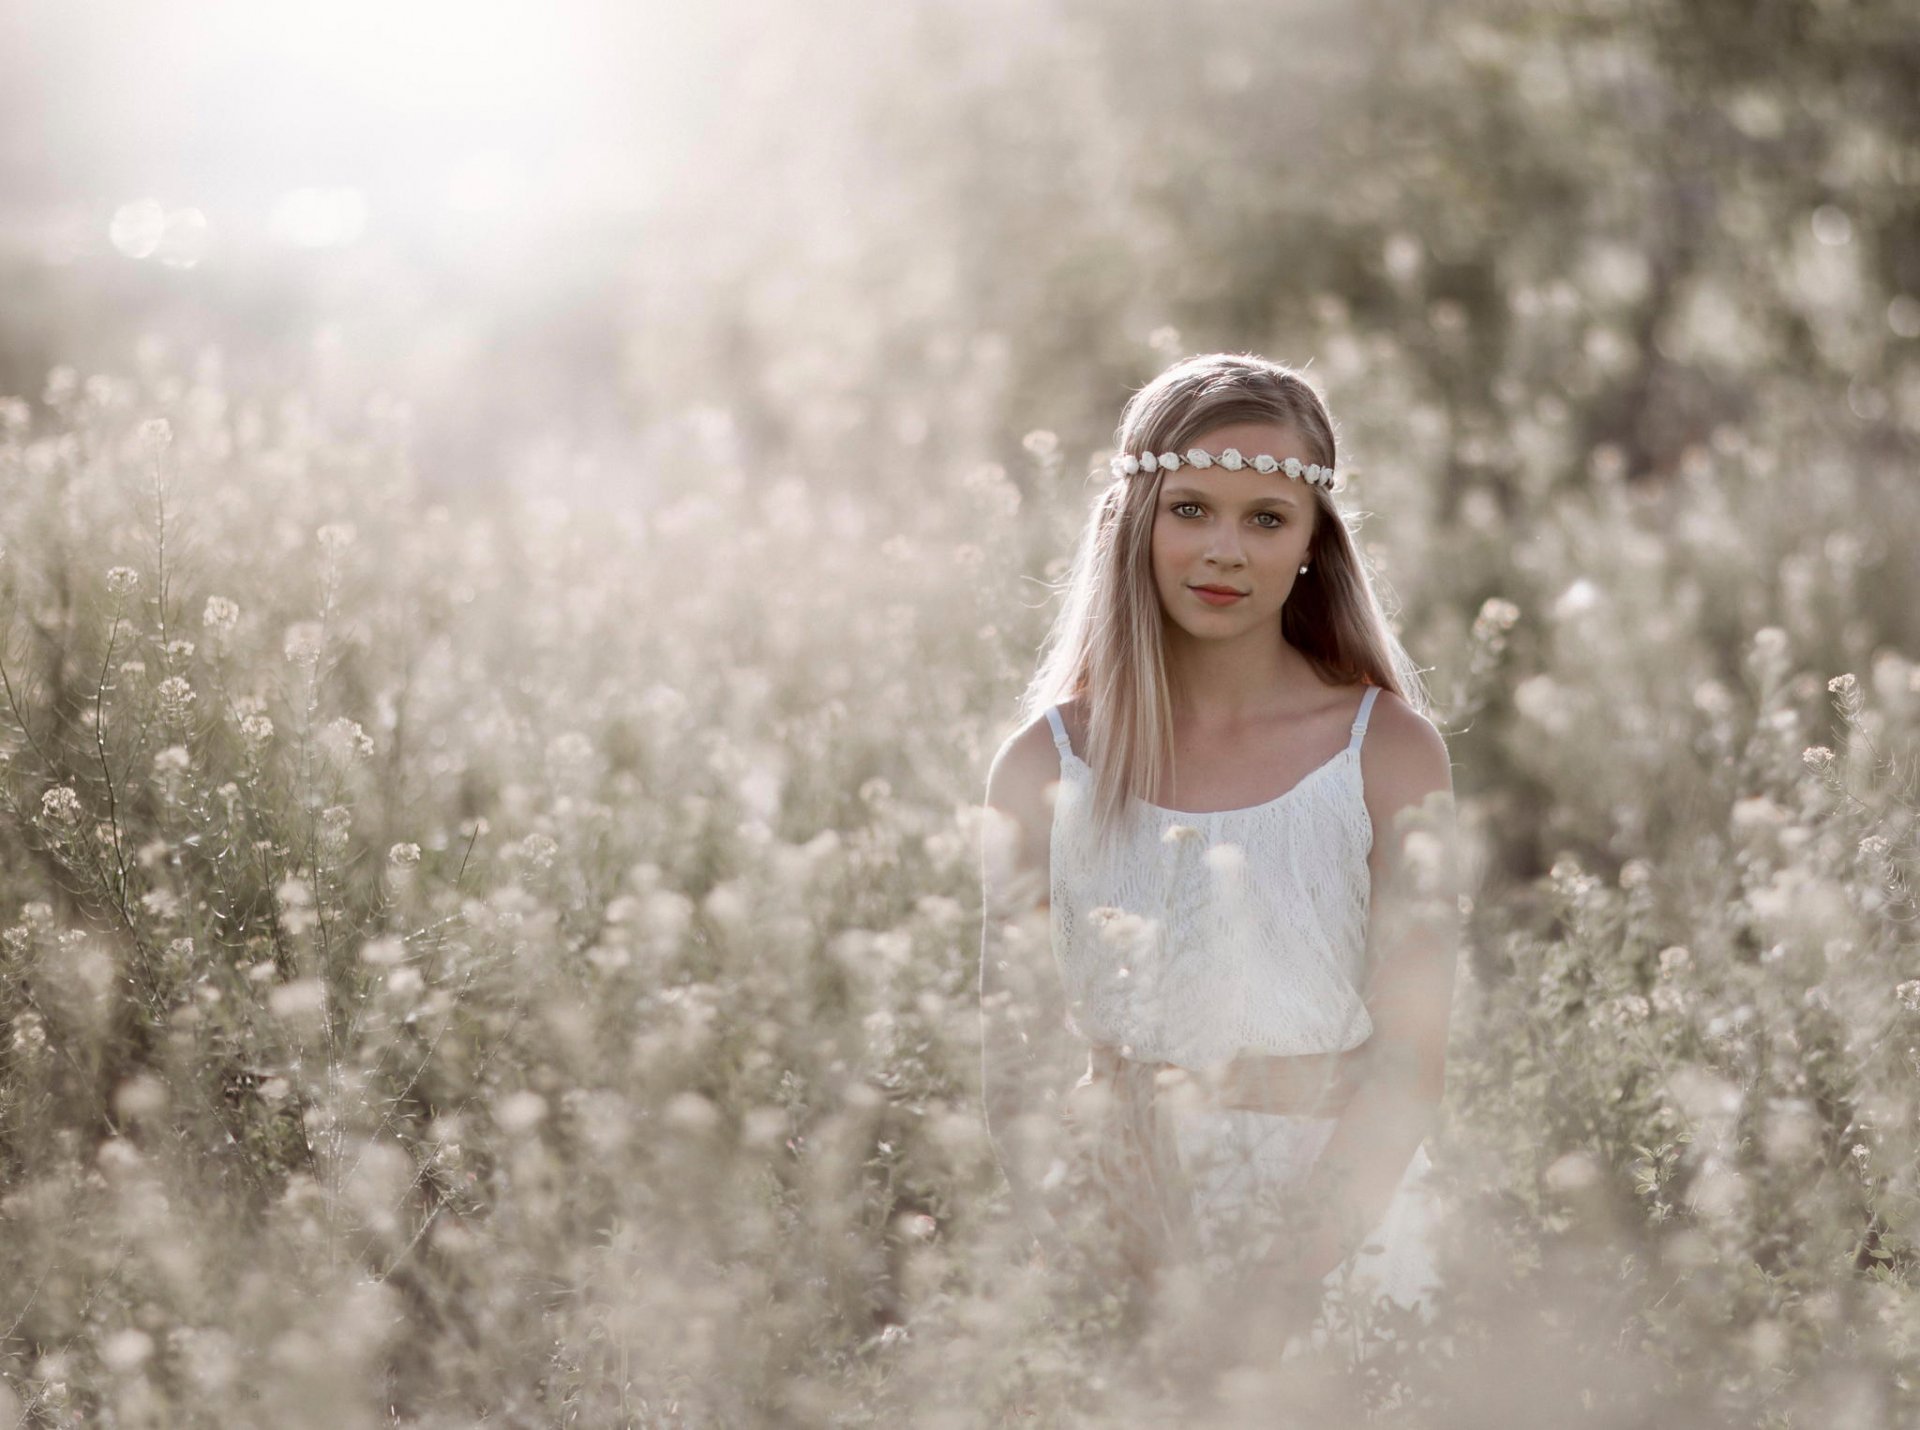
1223, 689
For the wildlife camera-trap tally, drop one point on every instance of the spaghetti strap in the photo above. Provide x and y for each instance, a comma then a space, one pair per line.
1059, 731
1360, 721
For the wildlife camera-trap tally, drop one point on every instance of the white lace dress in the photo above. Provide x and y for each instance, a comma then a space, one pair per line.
1201, 937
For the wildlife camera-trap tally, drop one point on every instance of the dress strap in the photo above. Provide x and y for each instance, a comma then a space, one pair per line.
1059, 730
1360, 721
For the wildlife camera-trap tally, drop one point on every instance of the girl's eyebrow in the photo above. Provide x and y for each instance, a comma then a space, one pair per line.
1201, 496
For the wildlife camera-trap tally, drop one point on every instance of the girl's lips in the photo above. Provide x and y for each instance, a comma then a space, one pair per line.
1217, 598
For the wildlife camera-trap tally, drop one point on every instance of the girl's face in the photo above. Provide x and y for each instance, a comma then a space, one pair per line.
1243, 531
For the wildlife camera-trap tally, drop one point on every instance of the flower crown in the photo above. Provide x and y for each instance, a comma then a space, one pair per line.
1231, 459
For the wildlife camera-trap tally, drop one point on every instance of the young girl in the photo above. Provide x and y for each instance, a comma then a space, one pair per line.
1229, 808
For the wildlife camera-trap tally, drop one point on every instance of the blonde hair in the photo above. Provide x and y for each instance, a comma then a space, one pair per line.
1106, 642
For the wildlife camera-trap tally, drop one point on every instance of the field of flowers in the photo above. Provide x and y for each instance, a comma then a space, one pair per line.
509, 954
461, 966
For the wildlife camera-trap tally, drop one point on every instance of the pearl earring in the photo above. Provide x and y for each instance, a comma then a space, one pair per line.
1303, 570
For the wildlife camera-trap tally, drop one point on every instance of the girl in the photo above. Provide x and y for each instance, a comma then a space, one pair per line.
1227, 806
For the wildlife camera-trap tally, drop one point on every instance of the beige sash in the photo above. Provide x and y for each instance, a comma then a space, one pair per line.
1143, 1187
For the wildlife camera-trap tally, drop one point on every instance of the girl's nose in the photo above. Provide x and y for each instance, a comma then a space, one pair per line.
1225, 545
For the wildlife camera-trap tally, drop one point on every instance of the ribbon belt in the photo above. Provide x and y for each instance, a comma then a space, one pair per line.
1134, 1149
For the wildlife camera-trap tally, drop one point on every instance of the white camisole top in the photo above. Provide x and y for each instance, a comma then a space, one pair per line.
1210, 935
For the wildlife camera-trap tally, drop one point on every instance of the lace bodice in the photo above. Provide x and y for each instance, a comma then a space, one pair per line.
1205, 936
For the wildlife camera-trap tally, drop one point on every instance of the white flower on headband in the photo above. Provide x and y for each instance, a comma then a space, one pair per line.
1231, 459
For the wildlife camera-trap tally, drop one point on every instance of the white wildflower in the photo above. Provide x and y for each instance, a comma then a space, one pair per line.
344, 741
302, 643
336, 821
1756, 816
1817, 757
220, 616
1573, 1172
1622, 1012
520, 1112
60, 804
608, 958
1909, 995
301, 1001
1674, 958
1041, 443
382, 952
126, 1349
570, 748
156, 435
1497, 616
336, 537
176, 699
690, 1112
296, 905
1579, 598
122, 579
404, 856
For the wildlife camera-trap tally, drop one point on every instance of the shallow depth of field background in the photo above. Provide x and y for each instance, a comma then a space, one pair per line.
521, 528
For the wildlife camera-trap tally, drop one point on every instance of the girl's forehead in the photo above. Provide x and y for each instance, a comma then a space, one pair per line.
1245, 485
1251, 438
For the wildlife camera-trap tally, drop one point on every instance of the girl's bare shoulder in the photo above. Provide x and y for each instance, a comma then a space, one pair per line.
1023, 768
1404, 759
1020, 787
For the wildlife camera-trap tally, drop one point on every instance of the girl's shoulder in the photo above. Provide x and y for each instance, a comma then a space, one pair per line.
1019, 801
1026, 763
1393, 721
1404, 759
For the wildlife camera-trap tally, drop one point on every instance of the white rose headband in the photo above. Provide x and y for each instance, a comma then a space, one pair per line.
1231, 459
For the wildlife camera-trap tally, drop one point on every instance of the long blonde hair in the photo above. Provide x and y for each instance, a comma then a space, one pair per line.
1107, 640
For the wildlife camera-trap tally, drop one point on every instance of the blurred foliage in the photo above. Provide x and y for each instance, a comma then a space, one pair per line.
510, 954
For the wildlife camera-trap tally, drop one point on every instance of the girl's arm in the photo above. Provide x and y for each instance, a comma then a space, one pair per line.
1025, 1050
1413, 946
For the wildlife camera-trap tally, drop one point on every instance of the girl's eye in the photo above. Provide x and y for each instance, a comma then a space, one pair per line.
1278, 520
